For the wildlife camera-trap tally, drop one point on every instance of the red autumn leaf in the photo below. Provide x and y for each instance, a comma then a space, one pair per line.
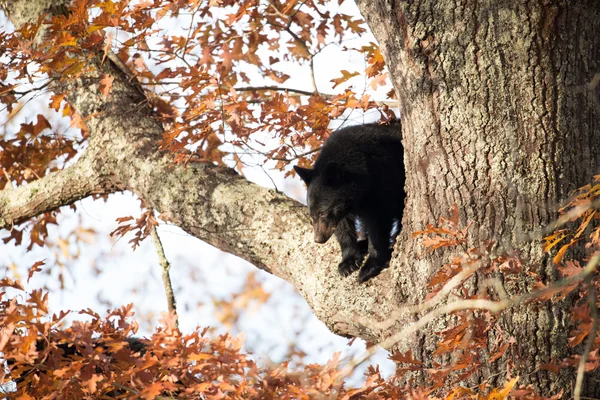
552, 366
37, 128
39, 299
571, 268
155, 389
500, 352
583, 329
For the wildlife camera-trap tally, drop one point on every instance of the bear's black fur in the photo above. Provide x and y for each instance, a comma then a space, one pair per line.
359, 173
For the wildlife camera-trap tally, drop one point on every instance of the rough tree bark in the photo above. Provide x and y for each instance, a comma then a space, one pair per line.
498, 119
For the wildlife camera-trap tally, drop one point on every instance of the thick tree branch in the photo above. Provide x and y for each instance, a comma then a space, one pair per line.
51, 192
219, 206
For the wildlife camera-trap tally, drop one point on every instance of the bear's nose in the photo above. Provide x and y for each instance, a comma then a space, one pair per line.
320, 238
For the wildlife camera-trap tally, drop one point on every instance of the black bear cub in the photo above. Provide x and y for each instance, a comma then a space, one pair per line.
359, 174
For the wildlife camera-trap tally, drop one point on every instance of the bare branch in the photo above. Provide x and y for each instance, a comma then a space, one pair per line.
434, 301
476, 304
279, 13
166, 276
328, 96
276, 88
297, 156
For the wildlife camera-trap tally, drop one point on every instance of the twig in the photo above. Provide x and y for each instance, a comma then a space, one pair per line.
431, 303
312, 73
590, 339
10, 183
275, 88
326, 96
118, 385
302, 44
279, 13
26, 167
222, 108
166, 277
297, 156
187, 39
298, 9
461, 305
33, 89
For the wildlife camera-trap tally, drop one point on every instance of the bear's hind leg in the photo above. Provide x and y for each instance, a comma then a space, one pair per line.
380, 253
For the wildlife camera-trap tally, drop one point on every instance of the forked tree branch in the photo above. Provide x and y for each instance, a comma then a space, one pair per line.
215, 204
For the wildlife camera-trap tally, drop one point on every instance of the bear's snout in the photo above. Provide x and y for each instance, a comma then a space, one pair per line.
319, 238
323, 231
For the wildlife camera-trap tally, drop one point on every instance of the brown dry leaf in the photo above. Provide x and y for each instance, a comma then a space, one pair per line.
345, 76
406, 358
7, 282
56, 100
106, 84
35, 268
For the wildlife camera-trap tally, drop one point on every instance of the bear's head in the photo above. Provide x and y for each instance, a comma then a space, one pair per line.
331, 196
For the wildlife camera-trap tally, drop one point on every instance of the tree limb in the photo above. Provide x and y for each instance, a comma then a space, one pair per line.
217, 205
51, 192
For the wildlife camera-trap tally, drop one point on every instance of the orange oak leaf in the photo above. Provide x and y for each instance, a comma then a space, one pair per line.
106, 84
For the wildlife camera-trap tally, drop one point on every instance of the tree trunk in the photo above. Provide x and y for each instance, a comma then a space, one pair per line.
500, 117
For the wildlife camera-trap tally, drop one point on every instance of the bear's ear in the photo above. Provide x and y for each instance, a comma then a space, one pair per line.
304, 173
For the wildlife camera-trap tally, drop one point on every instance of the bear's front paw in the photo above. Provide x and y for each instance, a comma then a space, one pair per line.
348, 266
371, 269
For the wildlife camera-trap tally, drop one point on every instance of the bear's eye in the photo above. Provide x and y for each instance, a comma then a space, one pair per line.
322, 214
